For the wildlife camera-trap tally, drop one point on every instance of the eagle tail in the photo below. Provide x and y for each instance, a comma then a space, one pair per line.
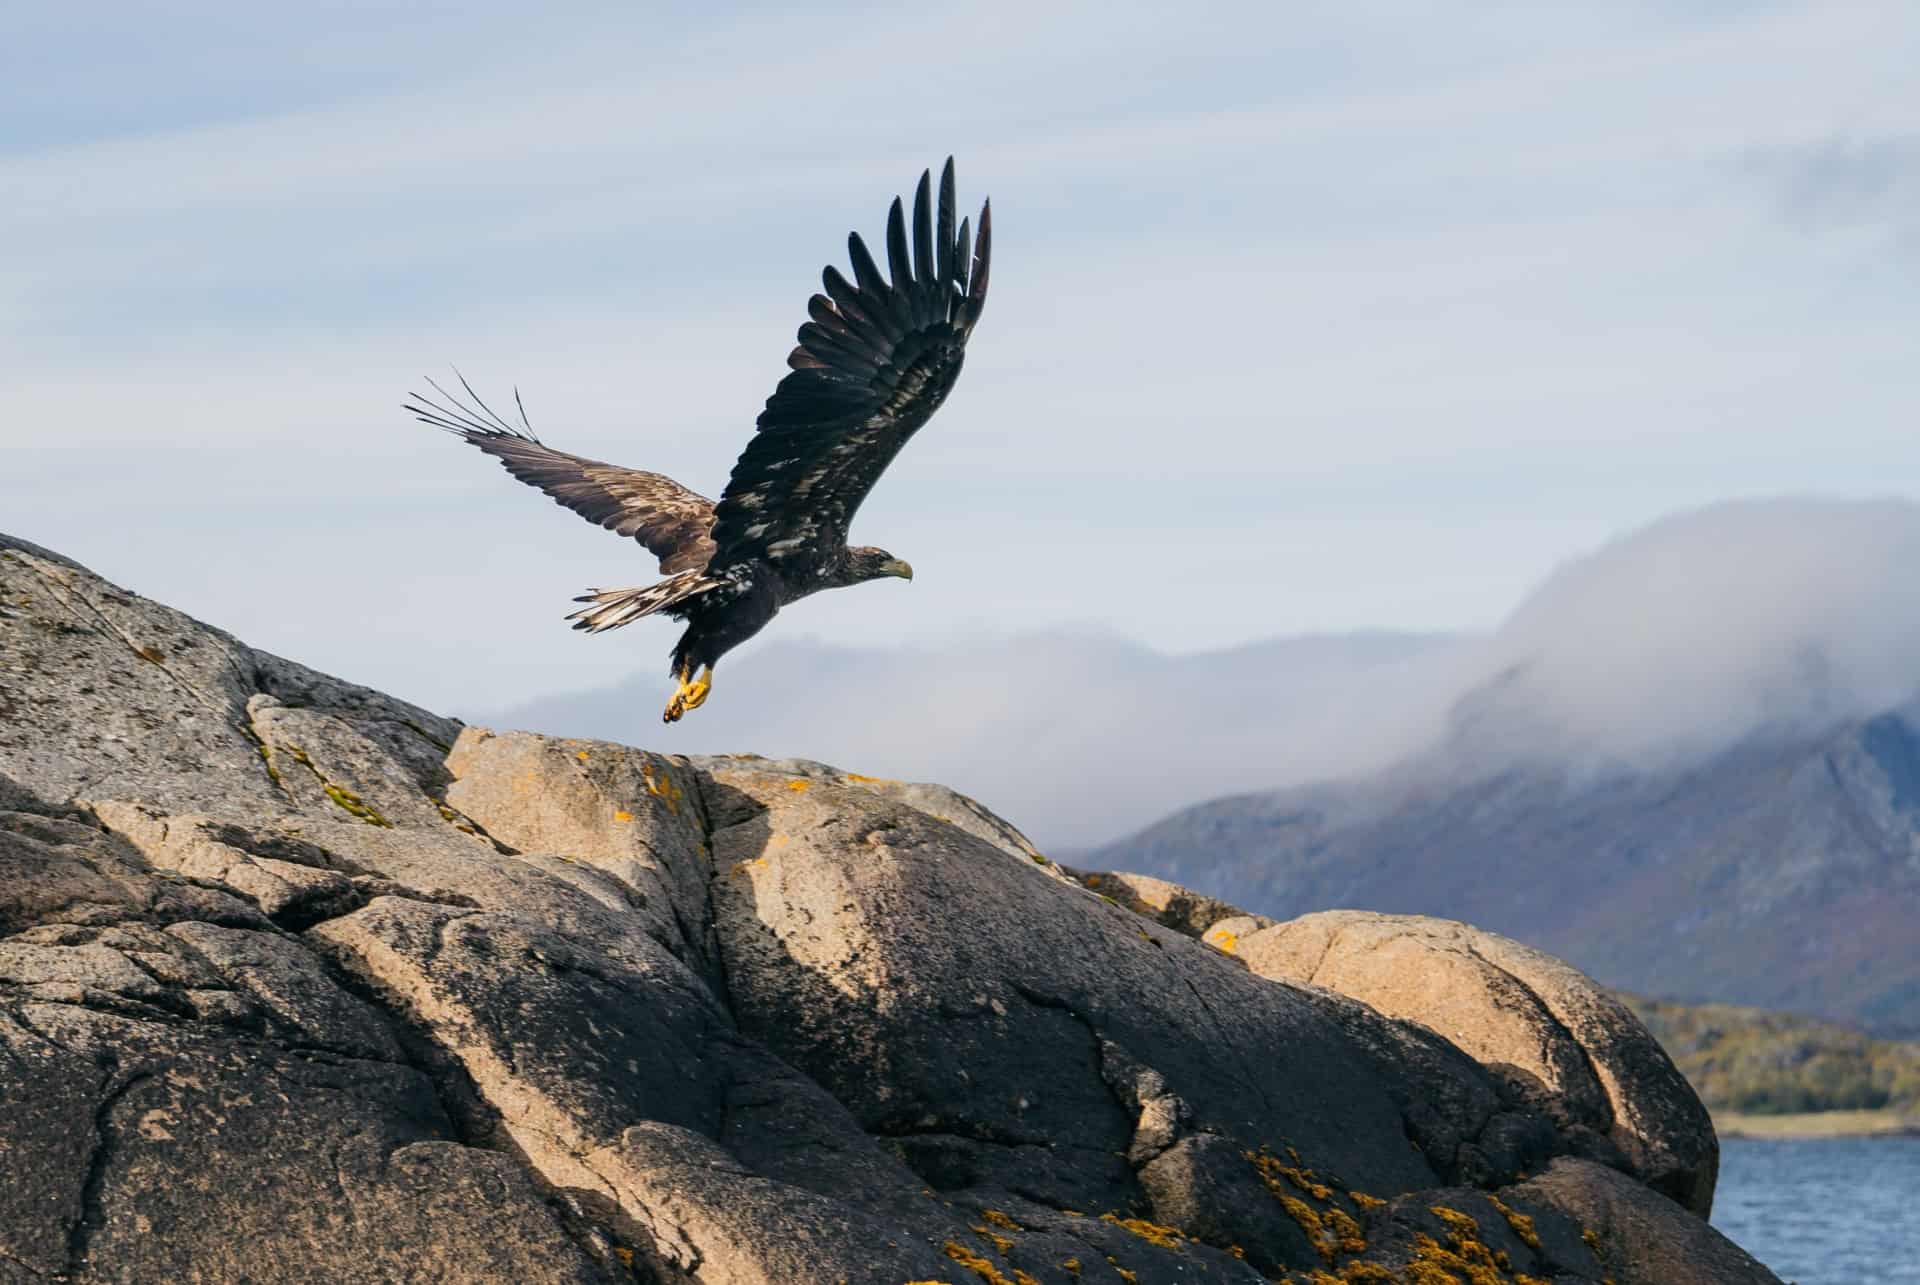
613, 608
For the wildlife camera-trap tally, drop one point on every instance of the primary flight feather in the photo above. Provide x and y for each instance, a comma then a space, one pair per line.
876, 357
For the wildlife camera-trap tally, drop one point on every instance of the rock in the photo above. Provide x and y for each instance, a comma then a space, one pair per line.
1561, 1041
1636, 1234
1185, 911
301, 982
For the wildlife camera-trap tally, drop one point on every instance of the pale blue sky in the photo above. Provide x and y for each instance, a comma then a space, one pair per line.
1305, 317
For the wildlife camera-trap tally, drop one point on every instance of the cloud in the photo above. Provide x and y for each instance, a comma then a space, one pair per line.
1761, 616
1077, 736
1657, 649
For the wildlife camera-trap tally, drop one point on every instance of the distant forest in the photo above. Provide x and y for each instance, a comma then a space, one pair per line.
1759, 1062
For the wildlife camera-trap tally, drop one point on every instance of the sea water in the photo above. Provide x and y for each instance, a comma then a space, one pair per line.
1824, 1211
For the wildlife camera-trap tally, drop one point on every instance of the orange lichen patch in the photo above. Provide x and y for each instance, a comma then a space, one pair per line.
1152, 1233
868, 780
978, 1264
1225, 942
1092, 881
623, 816
1521, 1223
1125, 1275
625, 1256
1366, 1202
582, 755
1236, 1251
1072, 1265
1022, 1278
1464, 1253
661, 786
1272, 1171
1592, 1238
152, 655
1521, 1278
999, 1219
798, 786
1001, 1244
1303, 1213
1345, 1231
1367, 1274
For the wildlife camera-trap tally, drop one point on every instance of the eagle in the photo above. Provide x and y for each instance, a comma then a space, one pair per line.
875, 359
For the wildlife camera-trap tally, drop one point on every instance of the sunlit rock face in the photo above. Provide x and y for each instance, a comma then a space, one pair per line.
301, 982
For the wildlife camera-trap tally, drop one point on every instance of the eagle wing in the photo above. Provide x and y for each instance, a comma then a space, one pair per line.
873, 364
670, 521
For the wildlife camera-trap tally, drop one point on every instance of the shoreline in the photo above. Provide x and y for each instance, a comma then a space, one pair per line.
1811, 1125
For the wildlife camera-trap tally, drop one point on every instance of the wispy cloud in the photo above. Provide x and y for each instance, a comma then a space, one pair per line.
1655, 650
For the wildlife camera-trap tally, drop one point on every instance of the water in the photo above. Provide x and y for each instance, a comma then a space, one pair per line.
1827, 1211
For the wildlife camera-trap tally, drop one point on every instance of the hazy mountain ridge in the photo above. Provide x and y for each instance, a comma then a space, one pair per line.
1783, 872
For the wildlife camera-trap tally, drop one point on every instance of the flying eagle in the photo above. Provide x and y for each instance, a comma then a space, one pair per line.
874, 362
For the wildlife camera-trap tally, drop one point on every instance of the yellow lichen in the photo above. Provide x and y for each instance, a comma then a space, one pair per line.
1521, 1223
1366, 1202
1224, 941
353, 805
1152, 1233
661, 787
1001, 1244
581, 755
1272, 1171
625, 1256
1072, 1265
1125, 1275
1345, 1231
1592, 1238
1022, 1278
978, 1264
1367, 1274
799, 786
623, 816
1301, 1212
999, 1219
1464, 1252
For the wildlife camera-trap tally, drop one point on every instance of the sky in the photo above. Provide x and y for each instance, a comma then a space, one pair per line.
1305, 319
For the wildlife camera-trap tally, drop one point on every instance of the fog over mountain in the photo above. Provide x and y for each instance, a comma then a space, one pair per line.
1660, 648
1078, 736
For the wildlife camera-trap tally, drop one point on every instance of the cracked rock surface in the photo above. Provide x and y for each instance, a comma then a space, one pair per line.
300, 982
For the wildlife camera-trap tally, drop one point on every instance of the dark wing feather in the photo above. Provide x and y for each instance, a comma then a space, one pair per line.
875, 361
668, 520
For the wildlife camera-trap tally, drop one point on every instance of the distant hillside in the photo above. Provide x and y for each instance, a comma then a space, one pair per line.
1765, 1063
1784, 872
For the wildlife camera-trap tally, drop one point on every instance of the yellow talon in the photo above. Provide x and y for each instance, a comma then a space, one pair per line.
690, 694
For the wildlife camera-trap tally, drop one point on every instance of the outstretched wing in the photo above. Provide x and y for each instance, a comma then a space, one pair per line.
874, 363
670, 521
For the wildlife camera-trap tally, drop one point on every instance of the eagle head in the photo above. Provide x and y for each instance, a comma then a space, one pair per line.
865, 562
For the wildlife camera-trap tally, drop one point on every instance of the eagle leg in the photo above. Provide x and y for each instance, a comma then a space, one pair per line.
691, 694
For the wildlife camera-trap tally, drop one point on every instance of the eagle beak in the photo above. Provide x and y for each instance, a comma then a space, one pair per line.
897, 567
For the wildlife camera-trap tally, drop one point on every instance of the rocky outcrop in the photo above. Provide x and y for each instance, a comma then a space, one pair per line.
1560, 1041
300, 982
